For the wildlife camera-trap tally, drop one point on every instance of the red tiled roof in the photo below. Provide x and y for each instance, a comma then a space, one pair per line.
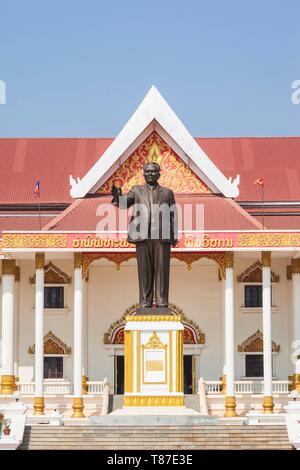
275, 159
281, 222
22, 223
23, 161
219, 214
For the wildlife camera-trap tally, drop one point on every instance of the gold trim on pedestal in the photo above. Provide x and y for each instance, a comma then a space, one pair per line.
78, 408
266, 259
8, 384
170, 361
153, 401
8, 266
230, 406
179, 361
138, 361
296, 382
268, 405
155, 318
39, 405
39, 260
84, 384
128, 361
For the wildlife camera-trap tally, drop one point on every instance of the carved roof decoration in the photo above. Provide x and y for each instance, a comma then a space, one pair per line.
175, 173
154, 342
254, 274
52, 346
255, 344
192, 333
53, 275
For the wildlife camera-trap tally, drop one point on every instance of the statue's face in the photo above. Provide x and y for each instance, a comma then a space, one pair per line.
151, 173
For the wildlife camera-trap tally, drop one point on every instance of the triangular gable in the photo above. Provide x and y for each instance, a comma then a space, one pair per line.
154, 114
175, 174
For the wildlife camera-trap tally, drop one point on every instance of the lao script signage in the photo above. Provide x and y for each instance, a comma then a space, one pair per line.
96, 241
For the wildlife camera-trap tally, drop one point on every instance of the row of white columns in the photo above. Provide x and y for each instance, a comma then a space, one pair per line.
8, 385
268, 405
8, 378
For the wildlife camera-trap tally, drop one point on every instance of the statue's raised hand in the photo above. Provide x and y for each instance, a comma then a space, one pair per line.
116, 192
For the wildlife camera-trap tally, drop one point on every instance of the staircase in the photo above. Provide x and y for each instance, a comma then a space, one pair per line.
152, 438
192, 401
115, 402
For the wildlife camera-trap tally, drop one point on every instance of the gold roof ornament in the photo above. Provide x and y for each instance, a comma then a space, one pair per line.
155, 155
154, 342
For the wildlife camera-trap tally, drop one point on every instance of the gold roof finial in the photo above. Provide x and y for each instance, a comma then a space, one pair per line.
155, 154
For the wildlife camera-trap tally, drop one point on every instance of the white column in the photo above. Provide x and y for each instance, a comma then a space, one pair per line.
39, 334
268, 404
16, 322
229, 336
84, 337
78, 336
8, 283
296, 318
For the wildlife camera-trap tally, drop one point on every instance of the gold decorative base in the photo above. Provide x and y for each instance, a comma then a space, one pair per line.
230, 406
268, 405
153, 401
84, 384
8, 384
223, 384
296, 382
39, 405
78, 408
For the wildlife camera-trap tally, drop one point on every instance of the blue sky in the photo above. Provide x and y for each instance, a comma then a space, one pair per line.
80, 68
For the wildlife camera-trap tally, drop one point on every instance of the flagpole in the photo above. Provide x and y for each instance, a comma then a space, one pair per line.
40, 221
263, 205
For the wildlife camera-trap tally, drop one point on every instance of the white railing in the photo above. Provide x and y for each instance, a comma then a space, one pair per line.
213, 386
26, 388
281, 386
55, 388
95, 388
64, 388
247, 386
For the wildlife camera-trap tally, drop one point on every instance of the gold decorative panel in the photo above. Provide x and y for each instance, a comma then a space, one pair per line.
255, 344
254, 274
53, 275
52, 345
175, 174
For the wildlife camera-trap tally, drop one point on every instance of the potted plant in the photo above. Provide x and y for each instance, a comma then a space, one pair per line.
6, 429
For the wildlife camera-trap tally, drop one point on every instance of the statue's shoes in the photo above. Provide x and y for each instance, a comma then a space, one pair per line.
145, 306
163, 305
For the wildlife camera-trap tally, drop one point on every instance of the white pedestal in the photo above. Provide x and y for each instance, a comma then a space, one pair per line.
292, 419
255, 417
154, 361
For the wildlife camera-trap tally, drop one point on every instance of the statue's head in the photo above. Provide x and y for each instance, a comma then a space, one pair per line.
151, 172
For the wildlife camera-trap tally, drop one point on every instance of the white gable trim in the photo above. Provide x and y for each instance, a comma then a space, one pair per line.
152, 111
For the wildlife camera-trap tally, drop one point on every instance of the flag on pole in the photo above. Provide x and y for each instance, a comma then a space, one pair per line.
259, 181
37, 189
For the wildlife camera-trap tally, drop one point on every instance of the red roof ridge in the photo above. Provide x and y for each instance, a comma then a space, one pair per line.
63, 214
245, 213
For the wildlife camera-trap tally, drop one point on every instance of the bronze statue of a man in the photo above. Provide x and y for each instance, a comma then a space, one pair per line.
153, 229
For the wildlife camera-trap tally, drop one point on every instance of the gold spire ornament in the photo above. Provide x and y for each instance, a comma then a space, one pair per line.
155, 155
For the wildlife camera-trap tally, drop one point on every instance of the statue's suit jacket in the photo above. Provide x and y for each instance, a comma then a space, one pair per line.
138, 198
